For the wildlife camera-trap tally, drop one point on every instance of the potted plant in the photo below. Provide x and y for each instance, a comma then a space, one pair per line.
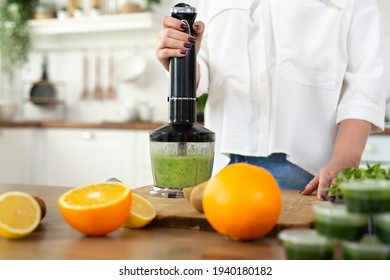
14, 34
150, 2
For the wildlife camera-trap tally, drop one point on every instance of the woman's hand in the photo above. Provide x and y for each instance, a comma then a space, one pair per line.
174, 42
349, 145
324, 179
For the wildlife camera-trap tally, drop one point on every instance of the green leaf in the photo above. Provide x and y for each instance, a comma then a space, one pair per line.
375, 172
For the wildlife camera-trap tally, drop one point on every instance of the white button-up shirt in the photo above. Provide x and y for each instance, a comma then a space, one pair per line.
281, 75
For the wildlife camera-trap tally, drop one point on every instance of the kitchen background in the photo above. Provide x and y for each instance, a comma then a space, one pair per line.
110, 46
90, 52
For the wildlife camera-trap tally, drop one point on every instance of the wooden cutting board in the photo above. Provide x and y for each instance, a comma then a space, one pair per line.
178, 213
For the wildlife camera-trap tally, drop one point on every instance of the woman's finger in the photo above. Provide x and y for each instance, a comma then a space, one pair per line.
169, 43
311, 186
323, 187
171, 22
174, 34
164, 53
198, 28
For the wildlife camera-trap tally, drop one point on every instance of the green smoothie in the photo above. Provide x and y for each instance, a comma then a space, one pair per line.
367, 249
181, 171
367, 196
306, 244
307, 252
382, 227
334, 221
340, 231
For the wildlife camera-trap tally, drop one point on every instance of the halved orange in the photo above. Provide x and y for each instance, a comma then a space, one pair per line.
20, 214
96, 209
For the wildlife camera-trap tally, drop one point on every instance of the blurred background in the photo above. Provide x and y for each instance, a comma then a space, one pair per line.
80, 89
99, 58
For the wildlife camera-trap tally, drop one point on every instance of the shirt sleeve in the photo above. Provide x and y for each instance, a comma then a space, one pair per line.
363, 94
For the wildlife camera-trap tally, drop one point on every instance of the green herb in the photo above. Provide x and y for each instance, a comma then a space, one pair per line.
375, 171
14, 34
154, 1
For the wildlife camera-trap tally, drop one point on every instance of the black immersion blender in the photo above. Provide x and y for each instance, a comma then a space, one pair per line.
182, 151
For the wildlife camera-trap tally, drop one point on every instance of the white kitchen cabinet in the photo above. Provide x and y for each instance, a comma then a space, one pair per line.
377, 150
144, 175
74, 157
16, 155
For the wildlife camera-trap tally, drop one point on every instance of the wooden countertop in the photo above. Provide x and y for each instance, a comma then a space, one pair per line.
54, 239
112, 125
66, 124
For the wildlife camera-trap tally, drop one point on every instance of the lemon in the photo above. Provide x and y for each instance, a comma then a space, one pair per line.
142, 212
20, 214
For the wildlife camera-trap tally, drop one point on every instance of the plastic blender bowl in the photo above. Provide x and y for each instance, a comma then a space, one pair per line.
334, 221
306, 244
382, 227
180, 165
369, 248
367, 196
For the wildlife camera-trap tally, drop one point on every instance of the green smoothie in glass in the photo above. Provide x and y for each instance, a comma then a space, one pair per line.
334, 221
367, 196
306, 244
181, 171
369, 248
382, 227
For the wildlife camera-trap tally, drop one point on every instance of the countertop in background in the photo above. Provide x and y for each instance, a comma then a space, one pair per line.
65, 124
112, 125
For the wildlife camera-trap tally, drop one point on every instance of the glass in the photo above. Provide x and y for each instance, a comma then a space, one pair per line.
369, 248
306, 244
367, 196
382, 227
334, 221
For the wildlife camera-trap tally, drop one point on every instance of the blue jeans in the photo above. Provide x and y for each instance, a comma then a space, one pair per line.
288, 175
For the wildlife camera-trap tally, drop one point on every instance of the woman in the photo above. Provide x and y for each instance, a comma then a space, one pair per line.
294, 86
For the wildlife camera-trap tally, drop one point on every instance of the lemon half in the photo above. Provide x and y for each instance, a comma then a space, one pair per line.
20, 214
142, 212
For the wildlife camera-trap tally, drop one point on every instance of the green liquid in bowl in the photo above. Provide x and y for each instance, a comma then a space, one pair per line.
181, 171
306, 244
367, 196
334, 221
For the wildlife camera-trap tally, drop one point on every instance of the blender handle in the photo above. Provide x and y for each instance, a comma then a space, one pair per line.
182, 99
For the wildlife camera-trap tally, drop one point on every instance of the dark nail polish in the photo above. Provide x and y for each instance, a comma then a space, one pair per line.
191, 40
184, 26
188, 45
183, 52
324, 197
197, 27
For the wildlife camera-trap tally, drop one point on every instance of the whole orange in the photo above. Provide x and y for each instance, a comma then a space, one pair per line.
242, 201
